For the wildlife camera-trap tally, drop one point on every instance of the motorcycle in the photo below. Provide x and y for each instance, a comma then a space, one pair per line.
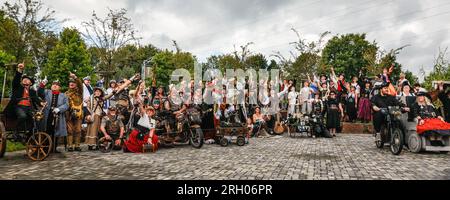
300, 124
184, 129
318, 126
392, 132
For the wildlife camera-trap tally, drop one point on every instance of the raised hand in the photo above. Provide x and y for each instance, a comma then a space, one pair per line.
135, 77
21, 66
72, 75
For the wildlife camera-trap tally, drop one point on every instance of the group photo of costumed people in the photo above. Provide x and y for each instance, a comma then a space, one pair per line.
135, 116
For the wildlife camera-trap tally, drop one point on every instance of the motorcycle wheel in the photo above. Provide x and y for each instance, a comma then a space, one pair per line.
196, 138
396, 141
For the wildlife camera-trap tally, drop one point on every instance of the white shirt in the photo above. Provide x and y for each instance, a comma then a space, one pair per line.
147, 122
305, 93
86, 95
292, 96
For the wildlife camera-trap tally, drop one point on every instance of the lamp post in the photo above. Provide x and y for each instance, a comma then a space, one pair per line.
144, 64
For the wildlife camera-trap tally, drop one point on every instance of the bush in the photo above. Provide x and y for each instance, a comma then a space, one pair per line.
14, 146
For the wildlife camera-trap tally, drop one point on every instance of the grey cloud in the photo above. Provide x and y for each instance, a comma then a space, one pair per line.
208, 27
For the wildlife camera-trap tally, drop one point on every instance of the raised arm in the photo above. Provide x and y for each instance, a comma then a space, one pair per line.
18, 76
391, 69
123, 86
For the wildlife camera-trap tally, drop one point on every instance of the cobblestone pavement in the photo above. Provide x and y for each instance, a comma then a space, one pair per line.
281, 158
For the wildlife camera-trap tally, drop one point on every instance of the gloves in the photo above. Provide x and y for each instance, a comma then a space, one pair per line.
56, 110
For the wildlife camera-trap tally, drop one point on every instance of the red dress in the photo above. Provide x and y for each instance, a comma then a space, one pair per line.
134, 144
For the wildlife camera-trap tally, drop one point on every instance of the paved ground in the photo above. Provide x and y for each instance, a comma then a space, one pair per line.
345, 157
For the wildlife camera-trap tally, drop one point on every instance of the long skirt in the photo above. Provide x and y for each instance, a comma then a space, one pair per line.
351, 111
333, 118
365, 110
92, 131
135, 143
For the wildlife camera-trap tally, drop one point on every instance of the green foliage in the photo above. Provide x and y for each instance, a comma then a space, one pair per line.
441, 70
305, 59
411, 77
305, 64
5, 59
128, 59
14, 146
348, 54
69, 55
257, 61
273, 65
228, 61
167, 61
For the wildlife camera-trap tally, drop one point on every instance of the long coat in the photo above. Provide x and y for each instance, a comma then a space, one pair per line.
17, 92
63, 105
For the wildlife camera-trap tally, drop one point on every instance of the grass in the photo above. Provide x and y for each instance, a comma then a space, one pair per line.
14, 146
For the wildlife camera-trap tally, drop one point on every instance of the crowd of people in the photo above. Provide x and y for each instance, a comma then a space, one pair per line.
127, 117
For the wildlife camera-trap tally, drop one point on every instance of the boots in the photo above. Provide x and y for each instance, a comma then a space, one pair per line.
70, 143
55, 146
77, 142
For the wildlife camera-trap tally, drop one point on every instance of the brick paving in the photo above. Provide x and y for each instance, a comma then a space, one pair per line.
348, 157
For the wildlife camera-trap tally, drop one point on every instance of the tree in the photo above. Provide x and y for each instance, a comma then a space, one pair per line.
108, 35
413, 79
348, 54
305, 59
69, 55
5, 62
32, 25
165, 62
441, 70
257, 61
129, 59
273, 65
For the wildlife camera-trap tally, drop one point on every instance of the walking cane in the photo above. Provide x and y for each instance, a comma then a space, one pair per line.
55, 125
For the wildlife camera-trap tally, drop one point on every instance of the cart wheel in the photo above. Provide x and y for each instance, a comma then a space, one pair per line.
2, 140
224, 142
39, 146
240, 141
396, 141
104, 145
415, 143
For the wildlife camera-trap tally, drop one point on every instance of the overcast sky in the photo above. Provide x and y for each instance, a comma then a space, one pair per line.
207, 27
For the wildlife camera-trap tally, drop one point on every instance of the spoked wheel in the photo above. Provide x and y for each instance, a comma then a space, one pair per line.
2, 140
196, 139
240, 141
396, 141
415, 143
39, 146
105, 145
